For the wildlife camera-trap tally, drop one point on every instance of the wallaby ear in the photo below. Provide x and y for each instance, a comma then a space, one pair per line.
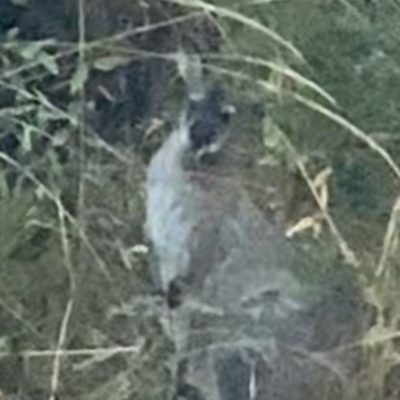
191, 70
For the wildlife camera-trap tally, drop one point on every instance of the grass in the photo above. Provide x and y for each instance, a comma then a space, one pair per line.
79, 317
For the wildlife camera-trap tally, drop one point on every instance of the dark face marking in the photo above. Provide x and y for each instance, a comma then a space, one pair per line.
207, 119
174, 294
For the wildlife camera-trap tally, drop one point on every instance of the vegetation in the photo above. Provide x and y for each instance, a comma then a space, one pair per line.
86, 96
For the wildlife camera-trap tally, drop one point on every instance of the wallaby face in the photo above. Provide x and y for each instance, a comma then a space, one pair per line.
207, 120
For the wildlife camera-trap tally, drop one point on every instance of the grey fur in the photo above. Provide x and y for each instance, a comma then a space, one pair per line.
243, 323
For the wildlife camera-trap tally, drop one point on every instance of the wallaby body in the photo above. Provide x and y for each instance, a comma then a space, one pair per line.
243, 322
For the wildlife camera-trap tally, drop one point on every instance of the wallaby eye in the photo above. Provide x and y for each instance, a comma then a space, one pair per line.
225, 117
212, 134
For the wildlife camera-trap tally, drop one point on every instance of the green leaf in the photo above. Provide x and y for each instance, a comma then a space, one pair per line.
55, 166
44, 115
16, 111
12, 34
29, 50
26, 142
49, 62
20, 2
60, 138
79, 78
272, 137
111, 62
